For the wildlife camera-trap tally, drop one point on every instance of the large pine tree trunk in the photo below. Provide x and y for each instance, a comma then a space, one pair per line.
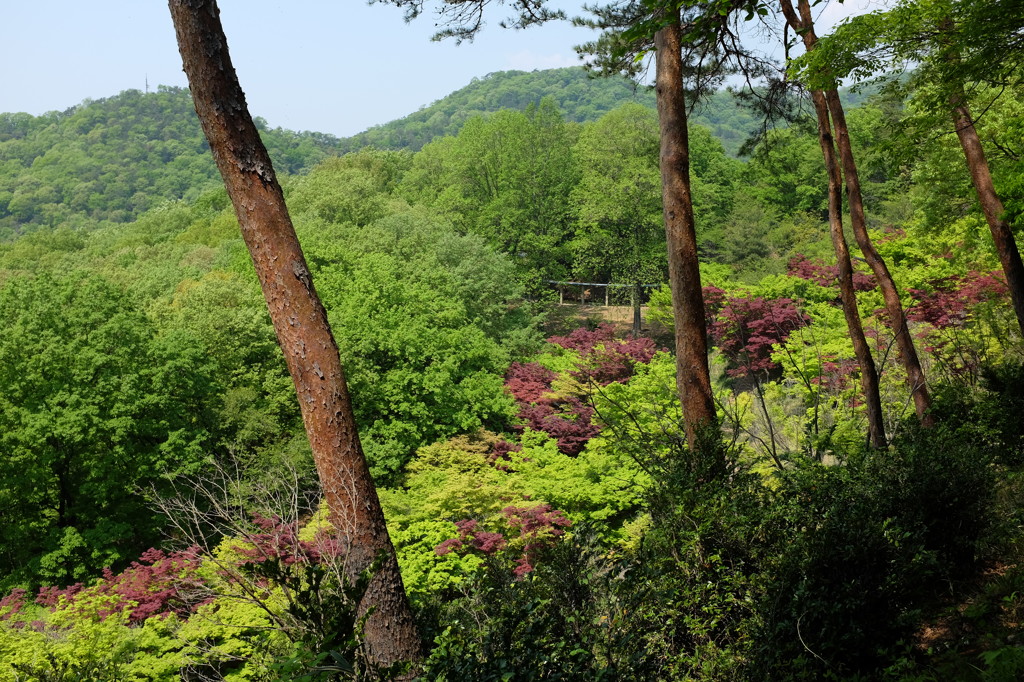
300, 322
991, 205
693, 378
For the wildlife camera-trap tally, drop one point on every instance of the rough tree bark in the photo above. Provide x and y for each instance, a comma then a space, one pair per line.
868, 371
916, 382
991, 205
693, 378
300, 322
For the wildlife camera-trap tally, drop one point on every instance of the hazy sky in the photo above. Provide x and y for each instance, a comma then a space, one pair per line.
334, 66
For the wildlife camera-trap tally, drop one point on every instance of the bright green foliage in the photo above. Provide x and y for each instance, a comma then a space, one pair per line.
507, 178
83, 643
353, 189
620, 237
114, 158
424, 320
134, 351
787, 174
461, 479
575, 92
257, 415
93, 406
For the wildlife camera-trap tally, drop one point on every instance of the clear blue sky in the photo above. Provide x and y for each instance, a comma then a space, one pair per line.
334, 66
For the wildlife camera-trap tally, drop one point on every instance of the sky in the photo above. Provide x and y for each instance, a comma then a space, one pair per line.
332, 66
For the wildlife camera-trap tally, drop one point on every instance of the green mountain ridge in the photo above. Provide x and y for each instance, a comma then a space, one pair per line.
109, 160
579, 95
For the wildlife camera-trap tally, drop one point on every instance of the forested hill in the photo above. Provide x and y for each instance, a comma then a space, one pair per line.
112, 159
579, 96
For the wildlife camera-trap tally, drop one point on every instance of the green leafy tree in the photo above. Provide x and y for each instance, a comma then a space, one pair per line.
955, 45
94, 406
507, 178
426, 321
112, 159
618, 200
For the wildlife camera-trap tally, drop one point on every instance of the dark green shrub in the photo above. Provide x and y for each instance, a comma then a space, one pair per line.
870, 544
557, 622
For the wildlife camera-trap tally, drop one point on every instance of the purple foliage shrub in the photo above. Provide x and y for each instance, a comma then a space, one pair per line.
948, 310
10, 605
471, 538
566, 419
837, 377
279, 541
952, 300
825, 275
501, 453
49, 595
532, 529
158, 584
604, 359
162, 583
746, 328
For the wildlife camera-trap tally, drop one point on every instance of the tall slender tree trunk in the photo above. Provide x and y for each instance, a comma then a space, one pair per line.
991, 205
916, 381
868, 371
300, 322
693, 377
890, 294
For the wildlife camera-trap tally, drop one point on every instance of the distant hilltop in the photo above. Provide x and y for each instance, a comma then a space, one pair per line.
579, 96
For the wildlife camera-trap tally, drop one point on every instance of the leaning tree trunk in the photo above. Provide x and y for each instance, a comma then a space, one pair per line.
868, 372
804, 25
991, 205
300, 322
693, 377
890, 295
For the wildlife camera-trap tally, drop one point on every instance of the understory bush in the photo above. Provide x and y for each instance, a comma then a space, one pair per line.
812, 572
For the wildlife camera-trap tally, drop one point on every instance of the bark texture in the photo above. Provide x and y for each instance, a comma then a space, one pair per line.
300, 322
916, 381
991, 205
693, 378
868, 371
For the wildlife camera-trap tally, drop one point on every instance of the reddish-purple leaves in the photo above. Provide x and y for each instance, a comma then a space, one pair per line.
163, 583
746, 328
604, 359
568, 418
565, 419
470, 538
531, 529
279, 542
951, 300
158, 584
528, 382
10, 605
825, 275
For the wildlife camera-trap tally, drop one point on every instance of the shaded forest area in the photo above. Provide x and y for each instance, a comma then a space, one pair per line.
161, 514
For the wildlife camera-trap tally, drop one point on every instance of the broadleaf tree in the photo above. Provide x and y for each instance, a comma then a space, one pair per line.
634, 29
